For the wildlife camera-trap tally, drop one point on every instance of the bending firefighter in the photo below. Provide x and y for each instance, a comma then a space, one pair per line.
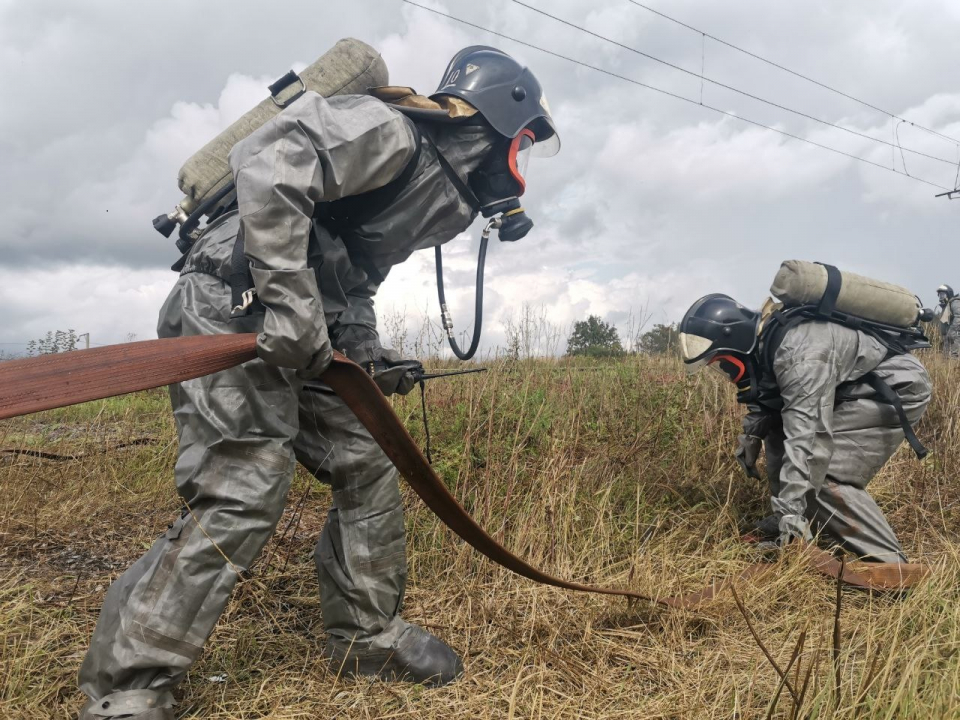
829, 404
331, 193
948, 313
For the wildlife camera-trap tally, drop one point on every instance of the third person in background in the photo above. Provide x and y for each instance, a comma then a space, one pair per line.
829, 403
948, 312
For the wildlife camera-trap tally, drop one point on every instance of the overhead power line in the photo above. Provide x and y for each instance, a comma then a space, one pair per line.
668, 93
731, 88
794, 72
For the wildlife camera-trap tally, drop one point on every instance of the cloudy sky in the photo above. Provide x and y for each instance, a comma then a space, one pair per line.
651, 203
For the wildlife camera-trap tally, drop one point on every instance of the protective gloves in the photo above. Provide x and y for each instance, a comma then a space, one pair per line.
294, 329
394, 375
747, 452
391, 373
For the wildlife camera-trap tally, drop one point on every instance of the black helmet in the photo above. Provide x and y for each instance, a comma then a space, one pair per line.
716, 325
946, 289
504, 92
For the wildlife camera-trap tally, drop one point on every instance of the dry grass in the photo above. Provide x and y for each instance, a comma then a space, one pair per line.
621, 475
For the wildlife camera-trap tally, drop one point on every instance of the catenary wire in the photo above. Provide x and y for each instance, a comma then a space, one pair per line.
667, 92
731, 88
794, 72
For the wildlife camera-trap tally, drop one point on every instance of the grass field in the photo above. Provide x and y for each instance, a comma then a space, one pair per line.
619, 473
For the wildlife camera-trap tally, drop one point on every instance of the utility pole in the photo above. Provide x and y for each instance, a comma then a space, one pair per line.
86, 338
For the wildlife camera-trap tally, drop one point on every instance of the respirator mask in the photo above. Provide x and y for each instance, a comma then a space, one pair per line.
500, 181
493, 189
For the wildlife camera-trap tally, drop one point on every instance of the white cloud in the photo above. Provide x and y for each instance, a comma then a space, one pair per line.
651, 203
109, 302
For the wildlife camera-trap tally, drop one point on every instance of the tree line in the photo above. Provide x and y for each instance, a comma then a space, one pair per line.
595, 338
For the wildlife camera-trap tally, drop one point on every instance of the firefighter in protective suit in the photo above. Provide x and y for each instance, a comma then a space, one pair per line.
384, 180
948, 313
814, 406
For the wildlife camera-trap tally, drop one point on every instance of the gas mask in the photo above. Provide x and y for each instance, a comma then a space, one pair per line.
500, 181
493, 189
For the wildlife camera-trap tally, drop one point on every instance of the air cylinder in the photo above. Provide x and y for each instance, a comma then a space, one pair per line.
351, 67
804, 283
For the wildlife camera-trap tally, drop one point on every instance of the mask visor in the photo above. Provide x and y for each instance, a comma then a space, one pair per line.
694, 349
547, 148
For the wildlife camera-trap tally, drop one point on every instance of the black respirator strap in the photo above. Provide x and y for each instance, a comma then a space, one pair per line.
828, 303
465, 192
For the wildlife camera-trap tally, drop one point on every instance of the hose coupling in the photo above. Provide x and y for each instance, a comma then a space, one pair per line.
492, 224
446, 320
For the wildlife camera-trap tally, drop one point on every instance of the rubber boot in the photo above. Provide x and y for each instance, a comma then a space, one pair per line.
415, 656
132, 704
153, 714
764, 531
764, 534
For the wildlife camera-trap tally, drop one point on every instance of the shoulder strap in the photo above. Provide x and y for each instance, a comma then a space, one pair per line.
774, 332
465, 192
243, 298
828, 303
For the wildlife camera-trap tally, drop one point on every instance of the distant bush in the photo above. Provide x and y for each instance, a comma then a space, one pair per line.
661, 340
595, 338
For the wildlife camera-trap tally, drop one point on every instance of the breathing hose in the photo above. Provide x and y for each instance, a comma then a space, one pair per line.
445, 316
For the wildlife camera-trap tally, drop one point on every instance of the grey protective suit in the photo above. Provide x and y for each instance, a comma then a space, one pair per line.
832, 437
242, 431
950, 327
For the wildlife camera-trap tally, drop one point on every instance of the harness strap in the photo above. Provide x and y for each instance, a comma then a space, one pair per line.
828, 303
781, 321
240, 278
889, 396
465, 192
243, 298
